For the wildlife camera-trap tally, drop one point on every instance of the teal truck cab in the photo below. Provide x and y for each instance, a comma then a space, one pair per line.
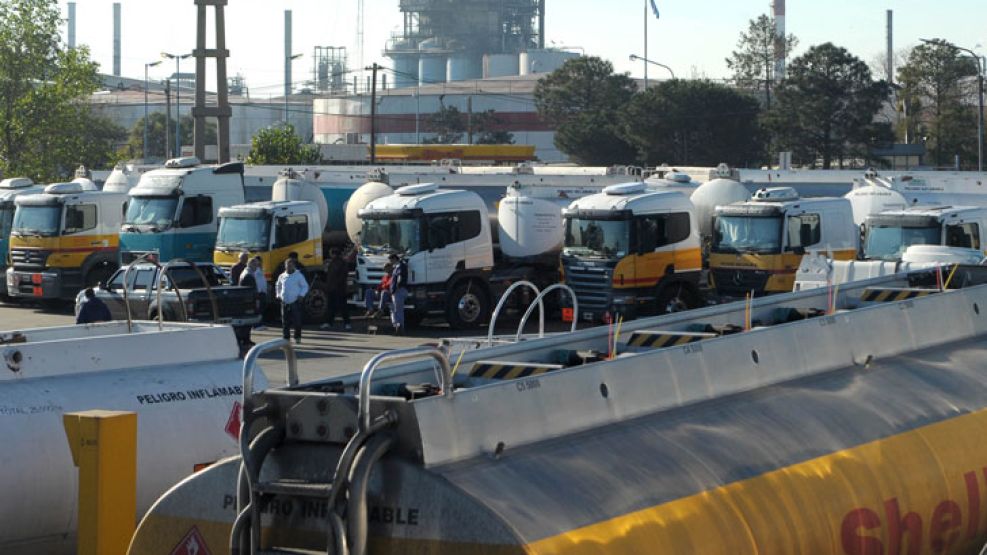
173, 211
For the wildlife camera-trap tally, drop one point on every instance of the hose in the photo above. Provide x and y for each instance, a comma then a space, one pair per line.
356, 509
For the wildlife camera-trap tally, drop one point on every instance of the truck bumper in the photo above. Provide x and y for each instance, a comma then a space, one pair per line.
48, 284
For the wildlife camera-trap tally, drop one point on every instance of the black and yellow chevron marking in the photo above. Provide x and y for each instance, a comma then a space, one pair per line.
509, 370
889, 295
660, 339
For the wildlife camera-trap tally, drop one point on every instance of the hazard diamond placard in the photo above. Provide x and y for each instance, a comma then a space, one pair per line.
192, 544
233, 423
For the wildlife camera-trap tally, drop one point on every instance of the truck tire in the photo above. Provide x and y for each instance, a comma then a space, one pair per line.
468, 306
315, 305
676, 297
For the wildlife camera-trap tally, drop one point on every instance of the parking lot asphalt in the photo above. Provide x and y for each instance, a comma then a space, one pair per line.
322, 353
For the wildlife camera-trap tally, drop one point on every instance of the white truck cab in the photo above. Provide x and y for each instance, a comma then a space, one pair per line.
888, 234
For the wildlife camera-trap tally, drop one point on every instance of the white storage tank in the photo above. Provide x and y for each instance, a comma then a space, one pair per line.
713, 193
364, 195
431, 63
291, 188
873, 198
543, 61
529, 227
501, 65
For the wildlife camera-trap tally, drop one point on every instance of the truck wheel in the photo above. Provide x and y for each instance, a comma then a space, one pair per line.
468, 306
99, 273
676, 297
315, 305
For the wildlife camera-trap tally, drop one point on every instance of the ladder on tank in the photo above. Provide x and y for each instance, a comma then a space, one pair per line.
346, 492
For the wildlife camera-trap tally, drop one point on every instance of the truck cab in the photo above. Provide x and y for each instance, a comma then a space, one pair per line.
271, 230
444, 235
757, 245
888, 234
631, 249
173, 211
63, 240
10, 189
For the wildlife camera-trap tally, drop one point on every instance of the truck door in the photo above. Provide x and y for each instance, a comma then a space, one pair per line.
197, 236
141, 291
804, 231
657, 237
444, 246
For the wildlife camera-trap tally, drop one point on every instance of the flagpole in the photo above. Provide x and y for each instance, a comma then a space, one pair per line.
645, 44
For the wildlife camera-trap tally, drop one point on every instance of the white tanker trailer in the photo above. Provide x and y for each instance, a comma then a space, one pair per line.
187, 402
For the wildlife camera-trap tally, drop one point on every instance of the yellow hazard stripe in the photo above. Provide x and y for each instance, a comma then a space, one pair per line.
661, 340
844, 503
889, 295
507, 372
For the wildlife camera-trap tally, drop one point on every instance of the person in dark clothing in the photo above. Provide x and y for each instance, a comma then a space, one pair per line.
336, 274
399, 291
237, 268
93, 310
248, 278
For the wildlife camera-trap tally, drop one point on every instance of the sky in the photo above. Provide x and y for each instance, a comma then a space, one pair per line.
692, 37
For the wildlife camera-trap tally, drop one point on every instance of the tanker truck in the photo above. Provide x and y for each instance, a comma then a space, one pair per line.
183, 381
632, 249
835, 424
172, 212
65, 239
299, 218
10, 189
463, 250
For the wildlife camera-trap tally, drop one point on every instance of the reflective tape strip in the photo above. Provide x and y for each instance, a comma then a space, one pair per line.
660, 339
508, 371
890, 295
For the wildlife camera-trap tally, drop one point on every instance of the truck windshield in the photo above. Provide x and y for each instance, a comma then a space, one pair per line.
6, 218
398, 235
37, 220
754, 234
155, 212
590, 237
244, 233
889, 242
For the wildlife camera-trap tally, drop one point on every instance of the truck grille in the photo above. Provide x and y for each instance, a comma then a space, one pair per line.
28, 258
373, 276
733, 282
592, 287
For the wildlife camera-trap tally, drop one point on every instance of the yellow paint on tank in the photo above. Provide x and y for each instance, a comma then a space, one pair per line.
783, 266
645, 270
67, 251
919, 492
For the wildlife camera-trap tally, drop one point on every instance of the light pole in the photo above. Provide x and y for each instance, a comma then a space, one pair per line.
178, 99
635, 57
288, 60
980, 99
152, 64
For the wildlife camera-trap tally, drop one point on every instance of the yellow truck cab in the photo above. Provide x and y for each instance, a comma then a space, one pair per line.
271, 230
632, 249
758, 245
888, 234
64, 239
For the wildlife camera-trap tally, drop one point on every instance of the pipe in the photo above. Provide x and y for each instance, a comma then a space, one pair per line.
366, 375
503, 299
357, 506
531, 308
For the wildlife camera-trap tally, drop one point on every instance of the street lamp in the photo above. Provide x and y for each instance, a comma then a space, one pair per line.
980, 98
152, 64
178, 98
635, 57
287, 86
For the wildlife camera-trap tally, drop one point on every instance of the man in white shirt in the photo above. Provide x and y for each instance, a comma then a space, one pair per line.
291, 289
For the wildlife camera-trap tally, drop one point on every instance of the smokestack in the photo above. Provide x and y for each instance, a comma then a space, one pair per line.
71, 24
287, 53
116, 39
890, 49
541, 25
779, 13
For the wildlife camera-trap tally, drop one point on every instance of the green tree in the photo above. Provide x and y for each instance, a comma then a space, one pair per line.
753, 63
280, 145
694, 122
825, 109
936, 97
156, 136
46, 126
583, 99
448, 124
490, 132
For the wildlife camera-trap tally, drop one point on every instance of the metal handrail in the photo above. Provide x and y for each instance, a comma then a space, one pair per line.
503, 299
531, 308
366, 375
249, 363
126, 294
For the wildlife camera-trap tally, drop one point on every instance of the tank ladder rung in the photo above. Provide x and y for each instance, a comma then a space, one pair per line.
294, 488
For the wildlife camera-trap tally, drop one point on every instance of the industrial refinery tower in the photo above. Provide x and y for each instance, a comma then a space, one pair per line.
467, 39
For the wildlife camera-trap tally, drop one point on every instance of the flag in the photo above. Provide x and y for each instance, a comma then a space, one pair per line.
654, 8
